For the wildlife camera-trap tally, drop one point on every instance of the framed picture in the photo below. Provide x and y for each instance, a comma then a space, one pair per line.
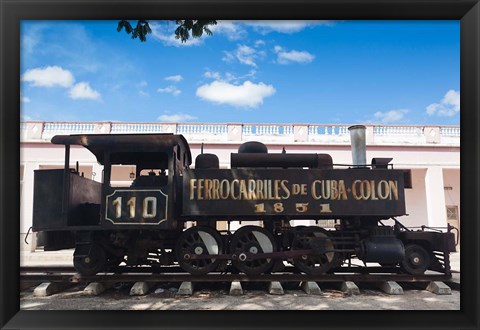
14, 14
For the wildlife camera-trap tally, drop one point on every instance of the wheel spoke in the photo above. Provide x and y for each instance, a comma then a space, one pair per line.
253, 240
313, 264
198, 241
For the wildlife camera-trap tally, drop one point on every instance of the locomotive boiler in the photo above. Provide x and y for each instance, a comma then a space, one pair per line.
145, 223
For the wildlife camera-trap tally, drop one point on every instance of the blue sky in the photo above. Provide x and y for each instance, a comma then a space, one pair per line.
333, 72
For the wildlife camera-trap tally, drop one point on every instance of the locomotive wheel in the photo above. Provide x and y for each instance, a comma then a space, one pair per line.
417, 259
91, 264
313, 264
198, 241
252, 240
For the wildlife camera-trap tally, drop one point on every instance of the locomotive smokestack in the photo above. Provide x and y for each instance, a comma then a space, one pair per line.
357, 137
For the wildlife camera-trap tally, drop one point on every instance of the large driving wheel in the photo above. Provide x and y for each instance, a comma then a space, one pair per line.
314, 238
198, 241
92, 263
248, 241
417, 259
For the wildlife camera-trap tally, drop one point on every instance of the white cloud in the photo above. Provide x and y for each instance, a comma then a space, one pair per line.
83, 90
165, 32
175, 78
212, 74
55, 76
259, 43
246, 95
244, 54
449, 106
142, 93
24, 99
228, 76
50, 76
30, 40
288, 27
391, 116
170, 89
286, 57
177, 117
232, 30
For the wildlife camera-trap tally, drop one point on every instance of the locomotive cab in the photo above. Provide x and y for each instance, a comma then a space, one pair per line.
68, 206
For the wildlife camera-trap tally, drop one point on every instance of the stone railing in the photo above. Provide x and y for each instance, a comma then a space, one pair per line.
271, 133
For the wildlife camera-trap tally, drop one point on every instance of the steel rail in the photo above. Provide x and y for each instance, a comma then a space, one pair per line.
356, 269
219, 277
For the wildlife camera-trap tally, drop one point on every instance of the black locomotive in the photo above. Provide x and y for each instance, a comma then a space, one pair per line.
144, 224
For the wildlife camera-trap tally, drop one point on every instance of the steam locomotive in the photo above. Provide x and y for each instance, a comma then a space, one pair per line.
146, 223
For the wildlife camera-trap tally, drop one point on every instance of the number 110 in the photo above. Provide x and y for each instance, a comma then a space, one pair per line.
148, 203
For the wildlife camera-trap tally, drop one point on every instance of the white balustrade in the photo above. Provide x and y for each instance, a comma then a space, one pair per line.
332, 134
23, 129
192, 129
247, 130
72, 128
136, 128
450, 131
328, 130
204, 132
328, 134
267, 130
397, 130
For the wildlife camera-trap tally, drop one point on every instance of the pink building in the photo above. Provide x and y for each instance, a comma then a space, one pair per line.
431, 152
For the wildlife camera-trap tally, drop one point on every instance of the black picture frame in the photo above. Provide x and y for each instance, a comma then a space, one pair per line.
13, 11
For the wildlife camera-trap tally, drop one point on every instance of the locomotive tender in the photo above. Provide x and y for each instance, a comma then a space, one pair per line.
144, 224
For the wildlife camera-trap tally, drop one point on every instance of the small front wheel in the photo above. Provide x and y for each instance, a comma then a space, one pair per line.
92, 263
417, 259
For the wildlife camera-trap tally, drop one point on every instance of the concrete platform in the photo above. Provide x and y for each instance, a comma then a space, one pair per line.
48, 288
439, 288
275, 288
139, 289
186, 289
236, 289
390, 287
350, 288
95, 288
310, 288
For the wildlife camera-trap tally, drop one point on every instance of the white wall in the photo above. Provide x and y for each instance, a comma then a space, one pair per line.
451, 178
415, 201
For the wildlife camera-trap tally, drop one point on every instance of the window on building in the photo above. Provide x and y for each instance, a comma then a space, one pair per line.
453, 219
452, 212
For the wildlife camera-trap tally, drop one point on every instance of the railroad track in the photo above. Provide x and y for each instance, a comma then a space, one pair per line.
52, 280
173, 274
